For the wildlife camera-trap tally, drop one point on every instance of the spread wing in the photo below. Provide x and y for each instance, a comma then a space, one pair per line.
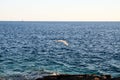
63, 41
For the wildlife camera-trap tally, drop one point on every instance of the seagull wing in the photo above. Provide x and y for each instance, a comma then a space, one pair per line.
63, 41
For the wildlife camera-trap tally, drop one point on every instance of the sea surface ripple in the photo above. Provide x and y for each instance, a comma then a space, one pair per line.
27, 47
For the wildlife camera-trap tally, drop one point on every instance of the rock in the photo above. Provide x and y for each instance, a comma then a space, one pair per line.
78, 77
96, 78
118, 78
105, 77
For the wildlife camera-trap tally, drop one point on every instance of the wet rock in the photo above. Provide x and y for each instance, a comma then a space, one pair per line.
78, 77
118, 78
105, 77
39, 79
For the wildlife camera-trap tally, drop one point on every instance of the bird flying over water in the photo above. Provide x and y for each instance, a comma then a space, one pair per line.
63, 41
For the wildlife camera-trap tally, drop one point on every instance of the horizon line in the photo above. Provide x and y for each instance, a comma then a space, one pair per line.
59, 21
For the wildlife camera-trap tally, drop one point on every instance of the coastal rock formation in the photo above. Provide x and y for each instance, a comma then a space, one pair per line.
78, 77
63, 77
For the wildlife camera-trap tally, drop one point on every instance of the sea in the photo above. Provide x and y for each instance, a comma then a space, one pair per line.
30, 49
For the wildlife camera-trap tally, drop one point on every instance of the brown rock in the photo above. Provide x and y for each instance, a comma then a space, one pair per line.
78, 77
106, 77
96, 78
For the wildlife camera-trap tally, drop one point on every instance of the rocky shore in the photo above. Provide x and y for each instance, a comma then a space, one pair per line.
78, 77
62, 77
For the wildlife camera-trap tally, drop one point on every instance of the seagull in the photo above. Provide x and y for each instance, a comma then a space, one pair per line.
63, 41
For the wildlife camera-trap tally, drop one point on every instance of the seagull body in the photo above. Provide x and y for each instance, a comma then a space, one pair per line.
63, 41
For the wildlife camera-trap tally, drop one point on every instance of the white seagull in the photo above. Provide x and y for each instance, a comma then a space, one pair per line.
63, 41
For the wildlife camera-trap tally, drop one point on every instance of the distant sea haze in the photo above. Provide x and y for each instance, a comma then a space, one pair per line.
34, 48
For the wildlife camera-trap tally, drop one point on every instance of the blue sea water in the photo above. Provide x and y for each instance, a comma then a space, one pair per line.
30, 48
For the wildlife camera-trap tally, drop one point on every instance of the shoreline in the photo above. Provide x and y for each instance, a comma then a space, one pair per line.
61, 77
79, 77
